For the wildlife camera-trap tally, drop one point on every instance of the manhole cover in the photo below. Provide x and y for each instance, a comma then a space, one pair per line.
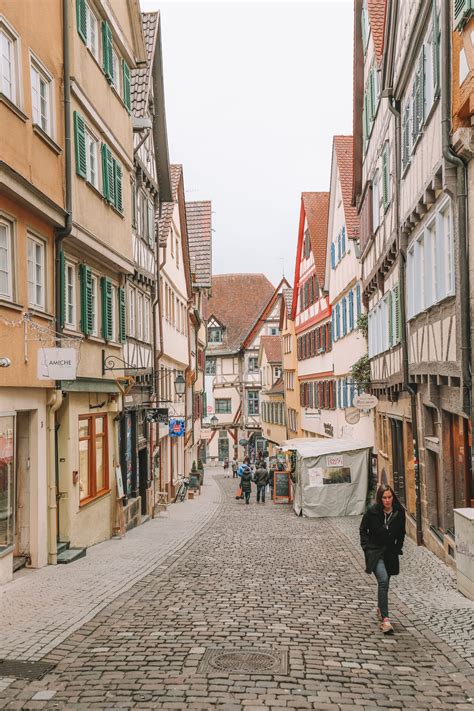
24, 670
254, 661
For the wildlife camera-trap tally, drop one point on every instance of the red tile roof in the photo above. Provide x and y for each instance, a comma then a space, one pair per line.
164, 221
140, 78
343, 146
199, 221
272, 348
237, 301
376, 10
278, 388
316, 207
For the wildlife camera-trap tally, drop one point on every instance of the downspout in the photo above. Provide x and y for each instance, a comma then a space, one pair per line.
461, 198
56, 398
394, 107
158, 352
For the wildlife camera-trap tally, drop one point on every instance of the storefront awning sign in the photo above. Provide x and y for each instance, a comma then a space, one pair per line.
176, 427
57, 364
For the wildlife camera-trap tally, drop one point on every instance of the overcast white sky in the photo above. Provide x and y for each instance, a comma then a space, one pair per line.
254, 93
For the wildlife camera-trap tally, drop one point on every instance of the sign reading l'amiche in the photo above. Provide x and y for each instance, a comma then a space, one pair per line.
57, 364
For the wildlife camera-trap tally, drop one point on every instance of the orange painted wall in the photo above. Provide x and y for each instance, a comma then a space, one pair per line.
463, 96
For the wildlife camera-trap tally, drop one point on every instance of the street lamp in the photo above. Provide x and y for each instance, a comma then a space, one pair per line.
214, 421
179, 385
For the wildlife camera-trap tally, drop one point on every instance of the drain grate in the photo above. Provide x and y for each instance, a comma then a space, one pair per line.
250, 661
24, 670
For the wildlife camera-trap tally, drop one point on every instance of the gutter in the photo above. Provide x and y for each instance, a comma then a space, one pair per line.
461, 199
56, 397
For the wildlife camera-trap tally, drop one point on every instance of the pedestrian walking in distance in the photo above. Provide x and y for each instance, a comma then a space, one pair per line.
382, 532
246, 483
261, 480
234, 467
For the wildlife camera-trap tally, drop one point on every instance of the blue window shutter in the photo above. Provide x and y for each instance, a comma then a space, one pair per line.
339, 247
351, 310
344, 316
338, 320
343, 240
333, 325
333, 255
359, 305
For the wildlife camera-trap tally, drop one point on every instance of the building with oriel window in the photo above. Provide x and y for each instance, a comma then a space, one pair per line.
242, 308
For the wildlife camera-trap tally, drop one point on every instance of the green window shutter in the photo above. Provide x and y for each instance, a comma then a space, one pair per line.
81, 19
62, 287
107, 51
134, 205
85, 276
80, 145
151, 223
418, 97
406, 138
436, 43
107, 308
121, 314
118, 195
126, 84
364, 33
364, 123
461, 12
386, 175
108, 174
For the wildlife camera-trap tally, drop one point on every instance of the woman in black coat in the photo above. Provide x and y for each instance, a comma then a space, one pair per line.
246, 484
382, 532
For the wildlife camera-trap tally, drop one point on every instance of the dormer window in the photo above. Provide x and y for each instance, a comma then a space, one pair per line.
306, 245
214, 334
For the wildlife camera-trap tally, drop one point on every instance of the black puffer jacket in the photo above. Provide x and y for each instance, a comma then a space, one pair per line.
380, 540
246, 481
261, 476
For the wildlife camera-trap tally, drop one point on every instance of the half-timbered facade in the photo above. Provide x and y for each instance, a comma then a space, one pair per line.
290, 367
272, 405
242, 308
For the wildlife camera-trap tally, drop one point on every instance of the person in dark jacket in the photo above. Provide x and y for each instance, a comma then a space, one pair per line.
382, 532
246, 483
261, 480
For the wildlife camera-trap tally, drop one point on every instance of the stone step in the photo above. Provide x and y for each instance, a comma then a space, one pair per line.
19, 562
71, 554
62, 546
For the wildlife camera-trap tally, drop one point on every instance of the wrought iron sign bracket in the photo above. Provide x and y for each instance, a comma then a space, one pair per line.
112, 362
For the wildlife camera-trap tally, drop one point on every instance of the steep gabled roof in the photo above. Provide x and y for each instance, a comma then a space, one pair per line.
140, 79
343, 146
271, 346
376, 10
237, 301
316, 207
167, 208
288, 298
278, 388
199, 220
265, 312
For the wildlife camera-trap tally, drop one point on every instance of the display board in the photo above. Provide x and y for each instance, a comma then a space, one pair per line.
281, 486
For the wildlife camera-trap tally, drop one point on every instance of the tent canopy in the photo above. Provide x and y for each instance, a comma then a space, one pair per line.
331, 476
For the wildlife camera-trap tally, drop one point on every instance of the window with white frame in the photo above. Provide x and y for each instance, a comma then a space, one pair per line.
116, 70
41, 97
430, 263
93, 35
9, 69
94, 306
36, 272
376, 202
139, 326
6, 261
70, 288
92, 170
146, 320
252, 402
131, 311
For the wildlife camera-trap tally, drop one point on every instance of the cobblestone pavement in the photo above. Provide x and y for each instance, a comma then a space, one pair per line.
259, 580
40, 608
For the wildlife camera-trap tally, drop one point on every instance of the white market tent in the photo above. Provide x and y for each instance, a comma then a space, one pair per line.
331, 476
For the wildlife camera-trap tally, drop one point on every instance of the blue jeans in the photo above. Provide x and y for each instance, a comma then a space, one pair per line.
261, 492
383, 580
247, 496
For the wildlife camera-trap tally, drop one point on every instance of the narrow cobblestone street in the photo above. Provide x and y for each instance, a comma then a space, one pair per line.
253, 579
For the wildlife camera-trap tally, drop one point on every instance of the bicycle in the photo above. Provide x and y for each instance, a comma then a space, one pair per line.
182, 489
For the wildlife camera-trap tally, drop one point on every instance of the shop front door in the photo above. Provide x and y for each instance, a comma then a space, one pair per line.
223, 449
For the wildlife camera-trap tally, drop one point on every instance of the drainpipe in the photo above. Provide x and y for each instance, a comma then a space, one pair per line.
56, 397
461, 199
394, 107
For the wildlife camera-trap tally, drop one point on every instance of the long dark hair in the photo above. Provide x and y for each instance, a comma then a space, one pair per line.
381, 491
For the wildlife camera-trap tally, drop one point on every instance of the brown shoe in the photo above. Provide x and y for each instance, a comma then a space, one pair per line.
385, 626
379, 614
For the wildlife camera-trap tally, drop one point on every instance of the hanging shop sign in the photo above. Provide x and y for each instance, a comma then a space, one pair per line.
365, 401
176, 427
158, 414
57, 364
